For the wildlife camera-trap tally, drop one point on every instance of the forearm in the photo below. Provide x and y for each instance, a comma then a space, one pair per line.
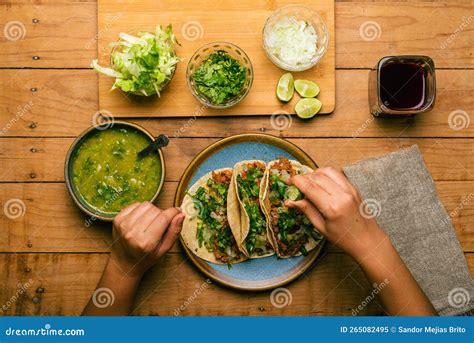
400, 295
120, 297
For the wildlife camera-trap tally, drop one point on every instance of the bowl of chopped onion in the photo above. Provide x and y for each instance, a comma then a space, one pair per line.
295, 38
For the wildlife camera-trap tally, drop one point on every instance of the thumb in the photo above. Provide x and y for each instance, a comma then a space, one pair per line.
310, 211
171, 234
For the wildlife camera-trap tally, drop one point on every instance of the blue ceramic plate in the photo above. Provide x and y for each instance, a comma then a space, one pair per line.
255, 274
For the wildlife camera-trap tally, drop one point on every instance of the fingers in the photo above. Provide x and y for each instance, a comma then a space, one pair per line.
310, 211
147, 218
171, 234
313, 192
159, 225
339, 178
325, 182
125, 212
135, 215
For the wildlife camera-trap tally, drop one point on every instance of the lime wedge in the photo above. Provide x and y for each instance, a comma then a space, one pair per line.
293, 193
285, 88
308, 107
307, 89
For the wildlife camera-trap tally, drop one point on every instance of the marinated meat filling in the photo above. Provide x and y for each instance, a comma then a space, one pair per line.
291, 228
213, 230
248, 182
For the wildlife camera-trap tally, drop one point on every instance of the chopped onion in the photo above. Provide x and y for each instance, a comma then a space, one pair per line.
285, 176
230, 252
217, 217
206, 234
292, 41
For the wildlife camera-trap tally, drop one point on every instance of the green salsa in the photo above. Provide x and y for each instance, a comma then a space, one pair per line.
107, 173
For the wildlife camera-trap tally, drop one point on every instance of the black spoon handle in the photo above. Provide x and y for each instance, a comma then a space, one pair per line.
160, 142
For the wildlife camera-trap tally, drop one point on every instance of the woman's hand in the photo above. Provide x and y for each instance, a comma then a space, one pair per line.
142, 233
334, 207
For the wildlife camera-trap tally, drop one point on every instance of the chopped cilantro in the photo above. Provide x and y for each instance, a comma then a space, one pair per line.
249, 194
294, 228
220, 77
278, 185
199, 234
213, 230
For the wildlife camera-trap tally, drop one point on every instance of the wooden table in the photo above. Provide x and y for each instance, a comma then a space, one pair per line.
49, 95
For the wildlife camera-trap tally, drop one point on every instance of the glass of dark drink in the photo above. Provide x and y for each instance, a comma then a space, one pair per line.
402, 86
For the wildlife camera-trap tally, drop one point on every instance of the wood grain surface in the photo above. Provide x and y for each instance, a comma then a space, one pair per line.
334, 286
49, 95
65, 102
67, 32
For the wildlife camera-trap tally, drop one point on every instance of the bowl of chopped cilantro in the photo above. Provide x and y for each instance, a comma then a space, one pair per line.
219, 74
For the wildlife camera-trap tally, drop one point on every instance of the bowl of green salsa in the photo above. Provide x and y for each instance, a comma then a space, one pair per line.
104, 174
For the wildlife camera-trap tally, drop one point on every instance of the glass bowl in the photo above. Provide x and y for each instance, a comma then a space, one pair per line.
202, 54
311, 17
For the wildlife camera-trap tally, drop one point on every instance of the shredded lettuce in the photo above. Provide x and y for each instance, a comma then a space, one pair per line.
143, 64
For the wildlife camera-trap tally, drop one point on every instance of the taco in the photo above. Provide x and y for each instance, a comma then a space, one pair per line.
254, 239
291, 231
206, 230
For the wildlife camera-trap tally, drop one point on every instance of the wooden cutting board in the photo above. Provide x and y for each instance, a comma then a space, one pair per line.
196, 23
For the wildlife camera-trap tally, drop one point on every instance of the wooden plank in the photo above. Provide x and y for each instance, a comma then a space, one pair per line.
42, 159
48, 34
334, 286
200, 22
46, 102
368, 31
67, 31
65, 102
52, 223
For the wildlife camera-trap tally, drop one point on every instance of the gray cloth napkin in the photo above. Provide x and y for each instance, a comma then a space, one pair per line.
399, 189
